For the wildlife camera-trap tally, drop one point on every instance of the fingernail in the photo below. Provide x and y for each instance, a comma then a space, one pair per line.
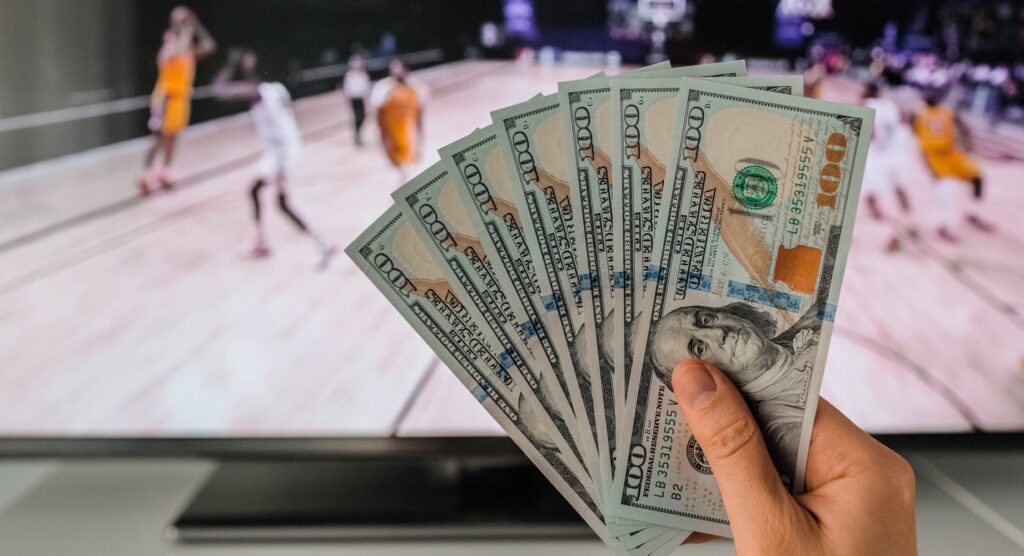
694, 384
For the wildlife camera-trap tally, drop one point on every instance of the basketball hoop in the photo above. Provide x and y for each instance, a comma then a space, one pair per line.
661, 12
810, 9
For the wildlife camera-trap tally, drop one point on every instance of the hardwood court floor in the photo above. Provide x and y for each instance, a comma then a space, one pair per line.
136, 317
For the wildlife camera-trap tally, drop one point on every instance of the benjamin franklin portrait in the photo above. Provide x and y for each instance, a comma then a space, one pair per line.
771, 369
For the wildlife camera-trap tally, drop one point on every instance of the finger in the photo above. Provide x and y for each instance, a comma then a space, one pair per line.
845, 463
838, 448
722, 423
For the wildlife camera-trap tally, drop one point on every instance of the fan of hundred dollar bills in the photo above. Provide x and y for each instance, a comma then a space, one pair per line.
564, 258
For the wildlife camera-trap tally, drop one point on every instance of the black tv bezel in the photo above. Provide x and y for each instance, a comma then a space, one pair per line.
310, 447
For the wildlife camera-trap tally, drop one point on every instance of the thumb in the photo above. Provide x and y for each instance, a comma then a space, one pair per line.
722, 423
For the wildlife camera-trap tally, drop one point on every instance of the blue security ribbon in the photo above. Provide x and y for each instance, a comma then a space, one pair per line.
549, 303
703, 282
772, 298
479, 393
528, 330
505, 359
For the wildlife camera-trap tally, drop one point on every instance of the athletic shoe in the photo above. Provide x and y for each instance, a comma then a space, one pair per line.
893, 246
259, 251
147, 183
326, 256
977, 222
946, 235
166, 181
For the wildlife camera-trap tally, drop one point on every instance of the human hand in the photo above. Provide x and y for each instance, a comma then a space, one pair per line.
860, 494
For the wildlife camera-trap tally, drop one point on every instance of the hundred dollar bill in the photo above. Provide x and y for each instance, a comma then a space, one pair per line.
645, 143
656, 145
535, 154
534, 145
488, 191
783, 84
443, 222
732, 68
643, 112
392, 256
786, 84
587, 125
652, 536
397, 263
751, 247
639, 126
586, 121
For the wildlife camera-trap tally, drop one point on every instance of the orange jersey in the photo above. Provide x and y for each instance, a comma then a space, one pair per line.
177, 74
935, 128
173, 91
398, 119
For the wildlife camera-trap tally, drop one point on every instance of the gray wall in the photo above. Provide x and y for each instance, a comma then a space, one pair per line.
60, 53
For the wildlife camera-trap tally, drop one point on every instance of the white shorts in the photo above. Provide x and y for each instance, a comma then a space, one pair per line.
886, 167
881, 172
275, 161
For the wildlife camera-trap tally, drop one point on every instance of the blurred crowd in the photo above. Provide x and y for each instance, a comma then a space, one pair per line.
974, 60
980, 88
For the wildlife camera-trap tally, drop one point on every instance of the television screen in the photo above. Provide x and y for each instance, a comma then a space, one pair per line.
177, 183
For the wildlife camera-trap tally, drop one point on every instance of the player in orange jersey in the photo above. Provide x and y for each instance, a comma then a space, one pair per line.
185, 41
937, 128
398, 101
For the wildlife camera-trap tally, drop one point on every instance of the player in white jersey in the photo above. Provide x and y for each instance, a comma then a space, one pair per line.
883, 172
356, 88
272, 113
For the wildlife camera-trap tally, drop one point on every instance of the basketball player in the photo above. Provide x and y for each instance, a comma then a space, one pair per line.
356, 88
398, 101
271, 112
936, 128
882, 172
396, 71
185, 41
813, 80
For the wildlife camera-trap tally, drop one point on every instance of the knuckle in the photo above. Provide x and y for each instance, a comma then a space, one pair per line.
730, 436
904, 481
895, 478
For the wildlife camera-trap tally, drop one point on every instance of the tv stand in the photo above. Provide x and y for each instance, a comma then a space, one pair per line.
429, 494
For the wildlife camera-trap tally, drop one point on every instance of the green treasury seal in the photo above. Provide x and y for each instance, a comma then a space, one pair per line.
755, 187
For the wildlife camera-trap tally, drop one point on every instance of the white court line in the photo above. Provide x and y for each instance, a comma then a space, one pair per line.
968, 500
